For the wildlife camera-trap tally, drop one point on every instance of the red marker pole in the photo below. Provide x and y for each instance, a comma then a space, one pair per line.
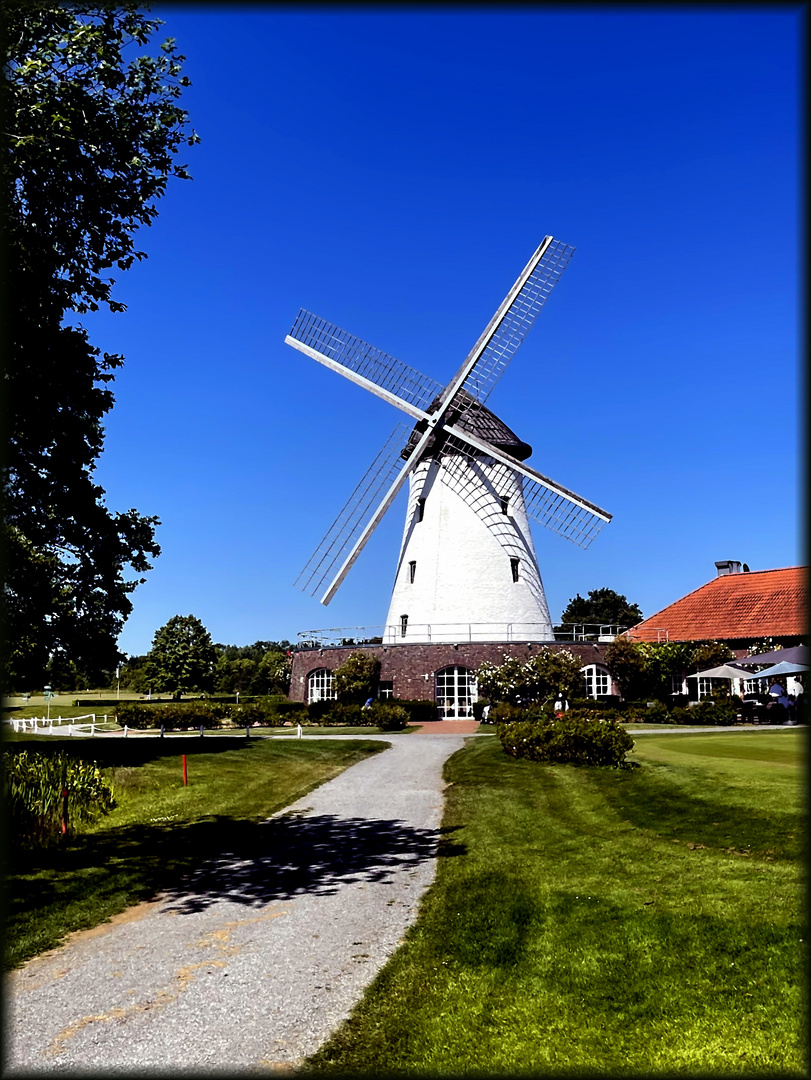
64, 810
185, 773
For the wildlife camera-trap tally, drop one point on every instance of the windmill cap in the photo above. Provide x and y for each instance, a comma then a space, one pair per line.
467, 414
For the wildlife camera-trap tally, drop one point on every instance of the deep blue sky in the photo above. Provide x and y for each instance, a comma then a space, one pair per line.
392, 171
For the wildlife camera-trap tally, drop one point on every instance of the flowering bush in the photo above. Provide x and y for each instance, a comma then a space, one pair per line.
547, 674
579, 737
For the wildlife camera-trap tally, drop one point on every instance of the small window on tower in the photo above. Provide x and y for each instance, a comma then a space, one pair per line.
514, 567
412, 570
403, 625
505, 502
420, 509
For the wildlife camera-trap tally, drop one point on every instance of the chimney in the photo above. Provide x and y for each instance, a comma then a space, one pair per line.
728, 566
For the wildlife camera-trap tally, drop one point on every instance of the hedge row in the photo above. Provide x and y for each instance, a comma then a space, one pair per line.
335, 713
719, 713
384, 715
192, 715
32, 789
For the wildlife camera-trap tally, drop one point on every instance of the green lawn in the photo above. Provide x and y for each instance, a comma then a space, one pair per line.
648, 921
160, 830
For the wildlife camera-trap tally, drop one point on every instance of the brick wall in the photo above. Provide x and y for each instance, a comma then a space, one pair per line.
407, 665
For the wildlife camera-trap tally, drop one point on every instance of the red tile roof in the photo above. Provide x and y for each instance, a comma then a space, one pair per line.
764, 603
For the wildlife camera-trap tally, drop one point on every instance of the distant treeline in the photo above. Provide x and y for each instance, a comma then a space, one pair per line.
261, 668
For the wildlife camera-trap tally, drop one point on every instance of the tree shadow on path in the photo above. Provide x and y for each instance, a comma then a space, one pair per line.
295, 854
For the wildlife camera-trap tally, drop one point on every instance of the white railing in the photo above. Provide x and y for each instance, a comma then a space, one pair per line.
455, 634
46, 725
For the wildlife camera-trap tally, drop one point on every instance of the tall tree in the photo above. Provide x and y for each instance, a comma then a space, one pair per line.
88, 146
603, 606
182, 657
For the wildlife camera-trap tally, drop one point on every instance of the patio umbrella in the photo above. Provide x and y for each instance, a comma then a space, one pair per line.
785, 668
722, 672
797, 654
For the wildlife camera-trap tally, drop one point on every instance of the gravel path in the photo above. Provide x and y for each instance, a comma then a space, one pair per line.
251, 963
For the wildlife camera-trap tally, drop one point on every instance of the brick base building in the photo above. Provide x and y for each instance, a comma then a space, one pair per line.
433, 672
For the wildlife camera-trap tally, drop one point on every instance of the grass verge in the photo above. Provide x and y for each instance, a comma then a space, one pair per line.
160, 831
630, 922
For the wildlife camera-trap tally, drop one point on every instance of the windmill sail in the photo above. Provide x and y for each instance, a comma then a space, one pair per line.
512, 322
356, 514
356, 357
546, 502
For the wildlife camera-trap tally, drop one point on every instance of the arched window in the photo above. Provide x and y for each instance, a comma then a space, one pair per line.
597, 680
455, 692
320, 685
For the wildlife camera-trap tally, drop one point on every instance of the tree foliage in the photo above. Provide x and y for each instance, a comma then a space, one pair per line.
89, 143
261, 668
258, 669
357, 678
645, 668
182, 657
603, 606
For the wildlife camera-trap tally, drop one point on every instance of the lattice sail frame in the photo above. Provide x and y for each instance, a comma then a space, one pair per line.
517, 322
349, 524
365, 360
546, 502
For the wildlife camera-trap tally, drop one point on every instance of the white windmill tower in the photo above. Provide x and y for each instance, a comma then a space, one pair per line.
467, 568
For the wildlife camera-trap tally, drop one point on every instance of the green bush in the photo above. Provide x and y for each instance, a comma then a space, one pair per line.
255, 712
419, 711
579, 737
505, 713
317, 710
478, 710
32, 790
656, 713
720, 714
388, 716
348, 714
174, 716
286, 709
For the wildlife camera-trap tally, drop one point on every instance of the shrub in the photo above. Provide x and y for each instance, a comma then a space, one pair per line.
347, 714
32, 789
388, 716
656, 713
316, 710
419, 711
287, 710
505, 713
478, 710
707, 712
173, 716
255, 712
579, 737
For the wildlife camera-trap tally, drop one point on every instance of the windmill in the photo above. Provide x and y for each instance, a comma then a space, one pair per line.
467, 564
